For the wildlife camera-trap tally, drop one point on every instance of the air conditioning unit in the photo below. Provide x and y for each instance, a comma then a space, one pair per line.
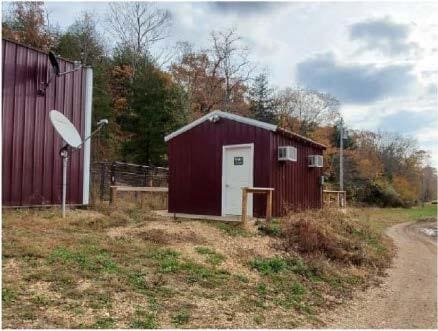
287, 153
315, 161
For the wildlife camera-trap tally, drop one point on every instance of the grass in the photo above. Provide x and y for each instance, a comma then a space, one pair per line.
8, 296
271, 229
269, 266
233, 230
144, 320
181, 318
211, 256
122, 269
382, 218
104, 323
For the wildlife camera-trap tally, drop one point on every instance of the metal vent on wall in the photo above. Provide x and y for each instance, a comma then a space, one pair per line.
287, 153
315, 161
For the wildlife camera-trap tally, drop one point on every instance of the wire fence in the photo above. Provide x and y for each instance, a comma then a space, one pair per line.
105, 174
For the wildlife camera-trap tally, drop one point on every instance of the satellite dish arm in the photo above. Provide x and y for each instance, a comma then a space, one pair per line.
100, 125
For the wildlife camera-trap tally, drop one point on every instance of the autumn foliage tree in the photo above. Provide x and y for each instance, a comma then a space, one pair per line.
27, 24
144, 102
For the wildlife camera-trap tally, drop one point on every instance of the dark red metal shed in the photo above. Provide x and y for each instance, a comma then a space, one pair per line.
31, 165
211, 158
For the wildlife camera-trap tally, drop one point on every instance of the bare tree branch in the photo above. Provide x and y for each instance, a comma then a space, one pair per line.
138, 25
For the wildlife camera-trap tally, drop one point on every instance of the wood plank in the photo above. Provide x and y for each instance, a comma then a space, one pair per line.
269, 206
141, 189
244, 205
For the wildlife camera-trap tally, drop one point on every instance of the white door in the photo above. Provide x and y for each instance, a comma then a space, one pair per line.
237, 172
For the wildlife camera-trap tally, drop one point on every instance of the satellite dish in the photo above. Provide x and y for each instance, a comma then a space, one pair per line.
54, 63
65, 128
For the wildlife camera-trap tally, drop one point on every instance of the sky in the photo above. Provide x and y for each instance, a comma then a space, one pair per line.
377, 58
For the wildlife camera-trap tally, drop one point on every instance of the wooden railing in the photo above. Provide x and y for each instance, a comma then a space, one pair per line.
139, 191
337, 198
257, 190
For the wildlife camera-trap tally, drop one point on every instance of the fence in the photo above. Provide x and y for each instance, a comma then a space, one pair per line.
335, 198
106, 174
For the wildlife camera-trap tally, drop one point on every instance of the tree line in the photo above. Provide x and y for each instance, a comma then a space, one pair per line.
147, 92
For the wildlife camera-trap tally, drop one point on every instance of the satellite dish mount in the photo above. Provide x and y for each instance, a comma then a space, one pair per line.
73, 141
56, 72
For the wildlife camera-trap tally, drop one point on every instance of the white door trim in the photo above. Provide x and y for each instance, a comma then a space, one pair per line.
251, 175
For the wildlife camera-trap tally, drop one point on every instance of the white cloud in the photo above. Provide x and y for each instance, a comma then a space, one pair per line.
282, 35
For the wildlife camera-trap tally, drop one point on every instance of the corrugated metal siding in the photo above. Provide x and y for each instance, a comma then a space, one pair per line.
31, 169
296, 184
195, 165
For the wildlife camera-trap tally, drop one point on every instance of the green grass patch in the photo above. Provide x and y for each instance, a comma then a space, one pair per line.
275, 265
205, 276
269, 266
181, 318
233, 230
8, 295
259, 319
100, 301
168, 260
211, 256
104, 323
89, 258
143, 320
41, 300
272, 229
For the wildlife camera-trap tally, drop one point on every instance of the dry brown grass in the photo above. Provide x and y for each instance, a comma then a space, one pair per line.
126, 268
337, 236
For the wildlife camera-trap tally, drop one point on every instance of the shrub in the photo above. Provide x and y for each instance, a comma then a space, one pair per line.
335, 236
271, 229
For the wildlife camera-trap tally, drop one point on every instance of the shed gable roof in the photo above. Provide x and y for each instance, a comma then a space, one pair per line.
244, 120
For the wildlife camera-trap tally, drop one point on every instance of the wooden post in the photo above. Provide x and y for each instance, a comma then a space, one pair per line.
113, 196
244, 204
268, 206
102, 180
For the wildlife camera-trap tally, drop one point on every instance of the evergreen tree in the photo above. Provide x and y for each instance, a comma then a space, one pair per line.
156, 107
261, 99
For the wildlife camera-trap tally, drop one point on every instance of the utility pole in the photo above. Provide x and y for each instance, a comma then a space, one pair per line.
342, 136
341, 156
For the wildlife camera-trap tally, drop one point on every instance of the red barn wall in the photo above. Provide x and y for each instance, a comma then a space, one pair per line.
195, 165
31, 167
296, 184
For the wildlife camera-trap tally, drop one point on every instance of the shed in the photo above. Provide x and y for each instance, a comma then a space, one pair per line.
212, 158
31, 165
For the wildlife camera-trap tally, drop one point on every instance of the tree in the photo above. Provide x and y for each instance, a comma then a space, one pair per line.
82, 41
196, 75
261, 99
137, 26
214, 78
27, 24
230, 61
155, 108
429, 184
302, 111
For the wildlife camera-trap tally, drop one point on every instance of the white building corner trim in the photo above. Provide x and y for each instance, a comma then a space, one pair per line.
87, 132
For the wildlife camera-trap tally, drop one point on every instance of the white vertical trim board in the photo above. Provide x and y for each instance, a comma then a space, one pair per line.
250, 197
87, 132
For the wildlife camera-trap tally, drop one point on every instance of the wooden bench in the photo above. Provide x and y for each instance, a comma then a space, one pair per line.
256, 190
142, 189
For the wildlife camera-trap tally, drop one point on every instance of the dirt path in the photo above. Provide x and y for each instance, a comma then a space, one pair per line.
408, 296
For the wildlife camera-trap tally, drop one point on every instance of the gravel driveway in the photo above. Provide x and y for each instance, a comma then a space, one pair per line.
408, 296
